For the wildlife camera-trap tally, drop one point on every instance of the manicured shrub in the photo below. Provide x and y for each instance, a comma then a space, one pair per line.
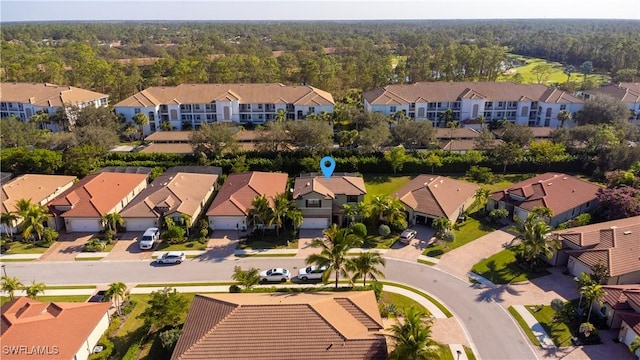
384, 230
359, 229
234, 288
448, 236
169, 338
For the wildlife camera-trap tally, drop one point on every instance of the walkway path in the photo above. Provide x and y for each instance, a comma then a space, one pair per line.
536, 328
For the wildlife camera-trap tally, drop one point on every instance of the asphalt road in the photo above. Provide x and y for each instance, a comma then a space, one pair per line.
490, 327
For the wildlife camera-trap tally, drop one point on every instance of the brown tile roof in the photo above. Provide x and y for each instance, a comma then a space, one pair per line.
36, 187
453, 91
239, 190
169, 136
97, 194
633, 320
267, 326
616, 295
245, 93
183, 192
539, 132
46, 95
329, 188
457, 133
625, 92
177, 148
559, 192
27, 322
589, 235
435, 195
618, 249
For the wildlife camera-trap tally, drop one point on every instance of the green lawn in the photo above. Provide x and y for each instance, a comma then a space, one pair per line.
442, 308
402, 302
556, 76
502, 268
18, 247
61, 298
380, 185
524, 326
465, 232
189, 245
163, 285
558, 331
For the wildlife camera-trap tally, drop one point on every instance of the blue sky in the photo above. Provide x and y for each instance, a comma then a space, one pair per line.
53, 10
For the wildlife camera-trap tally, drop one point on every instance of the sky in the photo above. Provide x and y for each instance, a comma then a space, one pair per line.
87, 10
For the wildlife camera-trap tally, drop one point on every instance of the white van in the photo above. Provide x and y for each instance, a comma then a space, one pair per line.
149, 238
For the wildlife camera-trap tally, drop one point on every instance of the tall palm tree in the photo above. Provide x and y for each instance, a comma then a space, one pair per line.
281, 115
542, 212
534, 236
186, 221
350, 212
480, 198
390, 209
591, 292
10, 285
295, 215
260, 213
7, 219
412, 338
34, 289
32, 221
441, 225
366, 265
583, 280
22, 206
563, 116
112, 221
333, 250
281, 205
141, 120
117, 291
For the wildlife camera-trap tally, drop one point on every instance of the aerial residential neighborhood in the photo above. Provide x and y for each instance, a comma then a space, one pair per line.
340, 188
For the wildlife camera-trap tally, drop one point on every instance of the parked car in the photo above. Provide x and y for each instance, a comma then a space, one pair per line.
407, 235
149, 238
172, 257
312, 272
275, 274
100, 296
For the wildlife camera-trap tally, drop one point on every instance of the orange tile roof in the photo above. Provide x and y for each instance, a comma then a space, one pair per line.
169, 136
47, 95
97, 194
617, 295
454, 91
239, 190
55, 325
168, 148
245, 93
456, 133
435, 195
341, 325
335, 185
183, 191
36, 187
558, 192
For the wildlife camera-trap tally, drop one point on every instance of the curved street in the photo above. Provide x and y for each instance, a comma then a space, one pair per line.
492, 331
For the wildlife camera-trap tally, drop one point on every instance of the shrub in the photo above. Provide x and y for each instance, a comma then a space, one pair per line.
496, 215
384, 230
108, 236
449, 236
93, 245
359, 229
169, 338
377, 289
174, 234
106, 352
128, 307
234, 288
480, 174
49, 235
387, 310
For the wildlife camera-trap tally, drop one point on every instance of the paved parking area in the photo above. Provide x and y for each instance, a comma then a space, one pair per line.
414, 249
67, 247
127, 248
304, 243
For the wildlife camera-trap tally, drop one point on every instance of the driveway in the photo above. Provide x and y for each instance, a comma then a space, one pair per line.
414, 249
304, 243
67, 247
127, 248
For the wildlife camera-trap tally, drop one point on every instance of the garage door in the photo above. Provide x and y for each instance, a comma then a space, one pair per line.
226, 222
83, 225
139, 224
315, 223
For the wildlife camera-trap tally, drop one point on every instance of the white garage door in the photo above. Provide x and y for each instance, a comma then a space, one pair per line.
226, 222
315, 223
83, 225
139, 224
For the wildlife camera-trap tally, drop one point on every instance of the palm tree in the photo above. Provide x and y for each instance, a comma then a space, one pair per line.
445, 116
441, 225
281, 205
295, 215
10, 285
112, 221
334, 248
391, 209
260, 213
591, 292
583, 280
141, 120
563, 116
32, 221
7, 219
534, 235
22, 207
350, 212
281, 115
480, 198
117, 291
366, 265
186, 221
34, 289
542, 212
412, 338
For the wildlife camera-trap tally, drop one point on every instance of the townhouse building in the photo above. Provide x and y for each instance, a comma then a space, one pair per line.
190, 105
627, 93
525, 104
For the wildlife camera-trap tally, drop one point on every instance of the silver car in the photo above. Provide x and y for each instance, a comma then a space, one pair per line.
407, 236
312, 272
275, 274
172, 257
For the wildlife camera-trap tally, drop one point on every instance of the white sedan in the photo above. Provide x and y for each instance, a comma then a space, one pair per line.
275, 275
172, 257
312, 272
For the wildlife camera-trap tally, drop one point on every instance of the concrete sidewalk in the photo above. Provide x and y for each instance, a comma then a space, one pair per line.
536, 328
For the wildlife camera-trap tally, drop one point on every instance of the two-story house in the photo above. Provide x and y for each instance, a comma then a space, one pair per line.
320, 199
190, 105
527, 104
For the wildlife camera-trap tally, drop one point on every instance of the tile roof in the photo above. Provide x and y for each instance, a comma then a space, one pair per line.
618, 248
453, 91
245, 93
239, 190
30, 323
97, 194
36, 187
558, 192
169, 136
633, 320
342, 325
183, 192
464, 144
335, 185
617, 295
539, 132
436, 195
625, 92
456, 133
168, 148
46, 95
589, 235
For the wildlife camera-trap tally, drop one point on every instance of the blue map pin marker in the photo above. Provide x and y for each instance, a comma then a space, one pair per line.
327, 170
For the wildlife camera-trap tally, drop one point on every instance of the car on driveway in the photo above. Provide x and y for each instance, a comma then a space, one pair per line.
172, 257
275, 275
407, 235
312, 272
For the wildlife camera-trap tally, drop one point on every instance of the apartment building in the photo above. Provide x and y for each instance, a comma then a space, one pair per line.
526, 104
189, 105
627, 93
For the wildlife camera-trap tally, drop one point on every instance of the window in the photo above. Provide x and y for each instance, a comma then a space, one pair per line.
313, 203
312, 109
563, 107
500, 104
392, 109
352, 198
488, 105
136, 110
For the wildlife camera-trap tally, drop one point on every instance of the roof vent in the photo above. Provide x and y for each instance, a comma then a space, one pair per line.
441, 181
613, 227
564, 178
308, 184
627, 232
426, 184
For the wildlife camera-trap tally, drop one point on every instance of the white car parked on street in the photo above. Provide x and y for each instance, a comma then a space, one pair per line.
275, 275
172, 257
312, 272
